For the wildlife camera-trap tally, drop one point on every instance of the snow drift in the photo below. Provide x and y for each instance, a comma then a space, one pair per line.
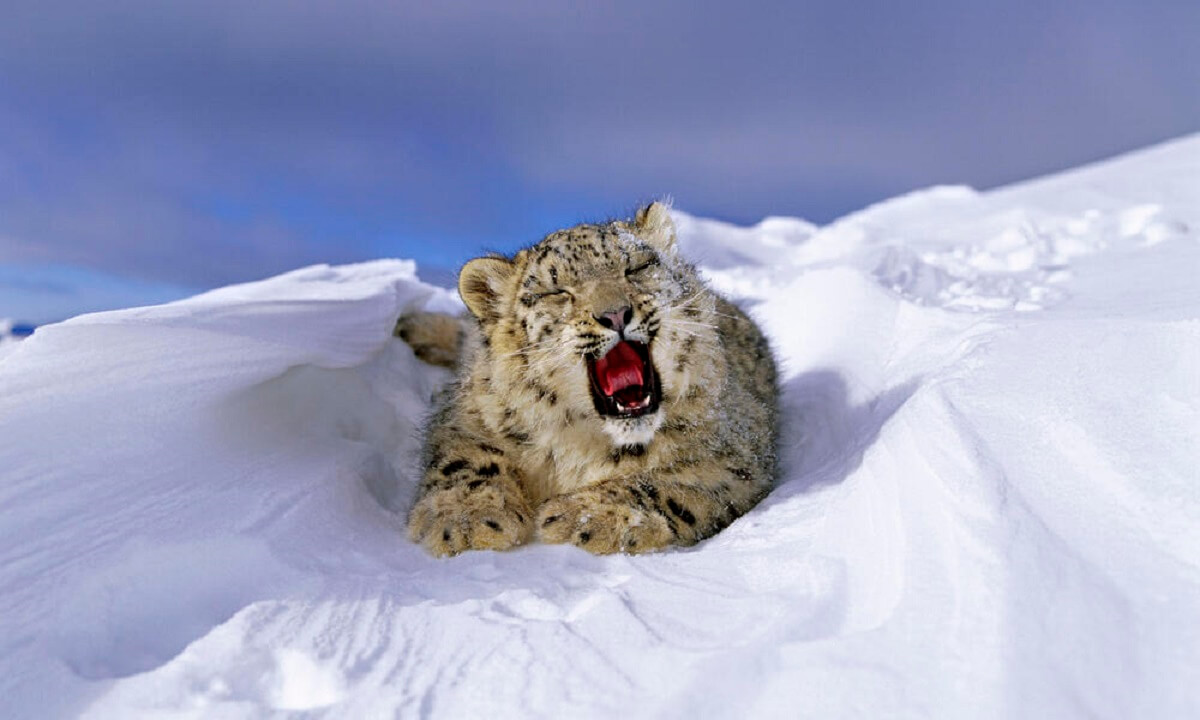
990, 504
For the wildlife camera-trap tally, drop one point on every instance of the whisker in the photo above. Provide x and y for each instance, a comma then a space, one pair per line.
696, 323
701, 330
690, 333
531, 346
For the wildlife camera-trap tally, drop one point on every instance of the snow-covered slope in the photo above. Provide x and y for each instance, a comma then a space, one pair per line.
990, 504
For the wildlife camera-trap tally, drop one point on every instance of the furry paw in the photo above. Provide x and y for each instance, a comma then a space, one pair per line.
434, 337
599, 521
447, 521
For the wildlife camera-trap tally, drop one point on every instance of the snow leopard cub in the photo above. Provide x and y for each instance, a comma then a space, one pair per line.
605, 397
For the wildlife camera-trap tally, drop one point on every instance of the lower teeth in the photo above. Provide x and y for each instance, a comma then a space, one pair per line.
636, 405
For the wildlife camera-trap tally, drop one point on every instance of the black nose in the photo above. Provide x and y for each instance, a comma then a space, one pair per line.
615, 319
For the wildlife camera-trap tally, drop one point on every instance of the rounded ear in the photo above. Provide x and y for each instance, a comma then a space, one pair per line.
654, 225
480, 284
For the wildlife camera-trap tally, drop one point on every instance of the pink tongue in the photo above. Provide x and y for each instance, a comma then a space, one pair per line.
619, 369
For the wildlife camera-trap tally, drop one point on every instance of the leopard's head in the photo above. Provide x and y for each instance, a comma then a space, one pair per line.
597, 315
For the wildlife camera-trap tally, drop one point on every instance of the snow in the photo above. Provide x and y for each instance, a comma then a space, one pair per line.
990, 504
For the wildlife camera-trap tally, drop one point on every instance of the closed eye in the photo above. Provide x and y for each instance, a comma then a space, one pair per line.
529, 299
552, 293
644, 266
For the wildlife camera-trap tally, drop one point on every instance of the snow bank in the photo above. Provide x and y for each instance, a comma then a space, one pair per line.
989, 508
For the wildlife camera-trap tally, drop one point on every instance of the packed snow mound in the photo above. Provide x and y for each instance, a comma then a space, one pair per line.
990, 502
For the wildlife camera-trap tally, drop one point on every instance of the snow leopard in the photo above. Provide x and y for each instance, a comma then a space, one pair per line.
605, 396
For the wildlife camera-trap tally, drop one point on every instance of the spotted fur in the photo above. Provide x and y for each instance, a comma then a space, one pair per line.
517, 449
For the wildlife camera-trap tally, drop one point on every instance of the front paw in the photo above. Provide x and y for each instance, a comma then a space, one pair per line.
601, 521
448, 521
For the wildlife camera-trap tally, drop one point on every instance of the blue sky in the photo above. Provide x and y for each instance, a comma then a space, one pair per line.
176, 146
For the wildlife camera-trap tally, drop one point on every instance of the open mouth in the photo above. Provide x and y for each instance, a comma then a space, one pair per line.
624, 383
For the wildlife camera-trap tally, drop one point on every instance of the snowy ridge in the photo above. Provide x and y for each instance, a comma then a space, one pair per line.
989, 505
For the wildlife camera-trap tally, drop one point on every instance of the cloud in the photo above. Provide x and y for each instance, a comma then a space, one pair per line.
204, 143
